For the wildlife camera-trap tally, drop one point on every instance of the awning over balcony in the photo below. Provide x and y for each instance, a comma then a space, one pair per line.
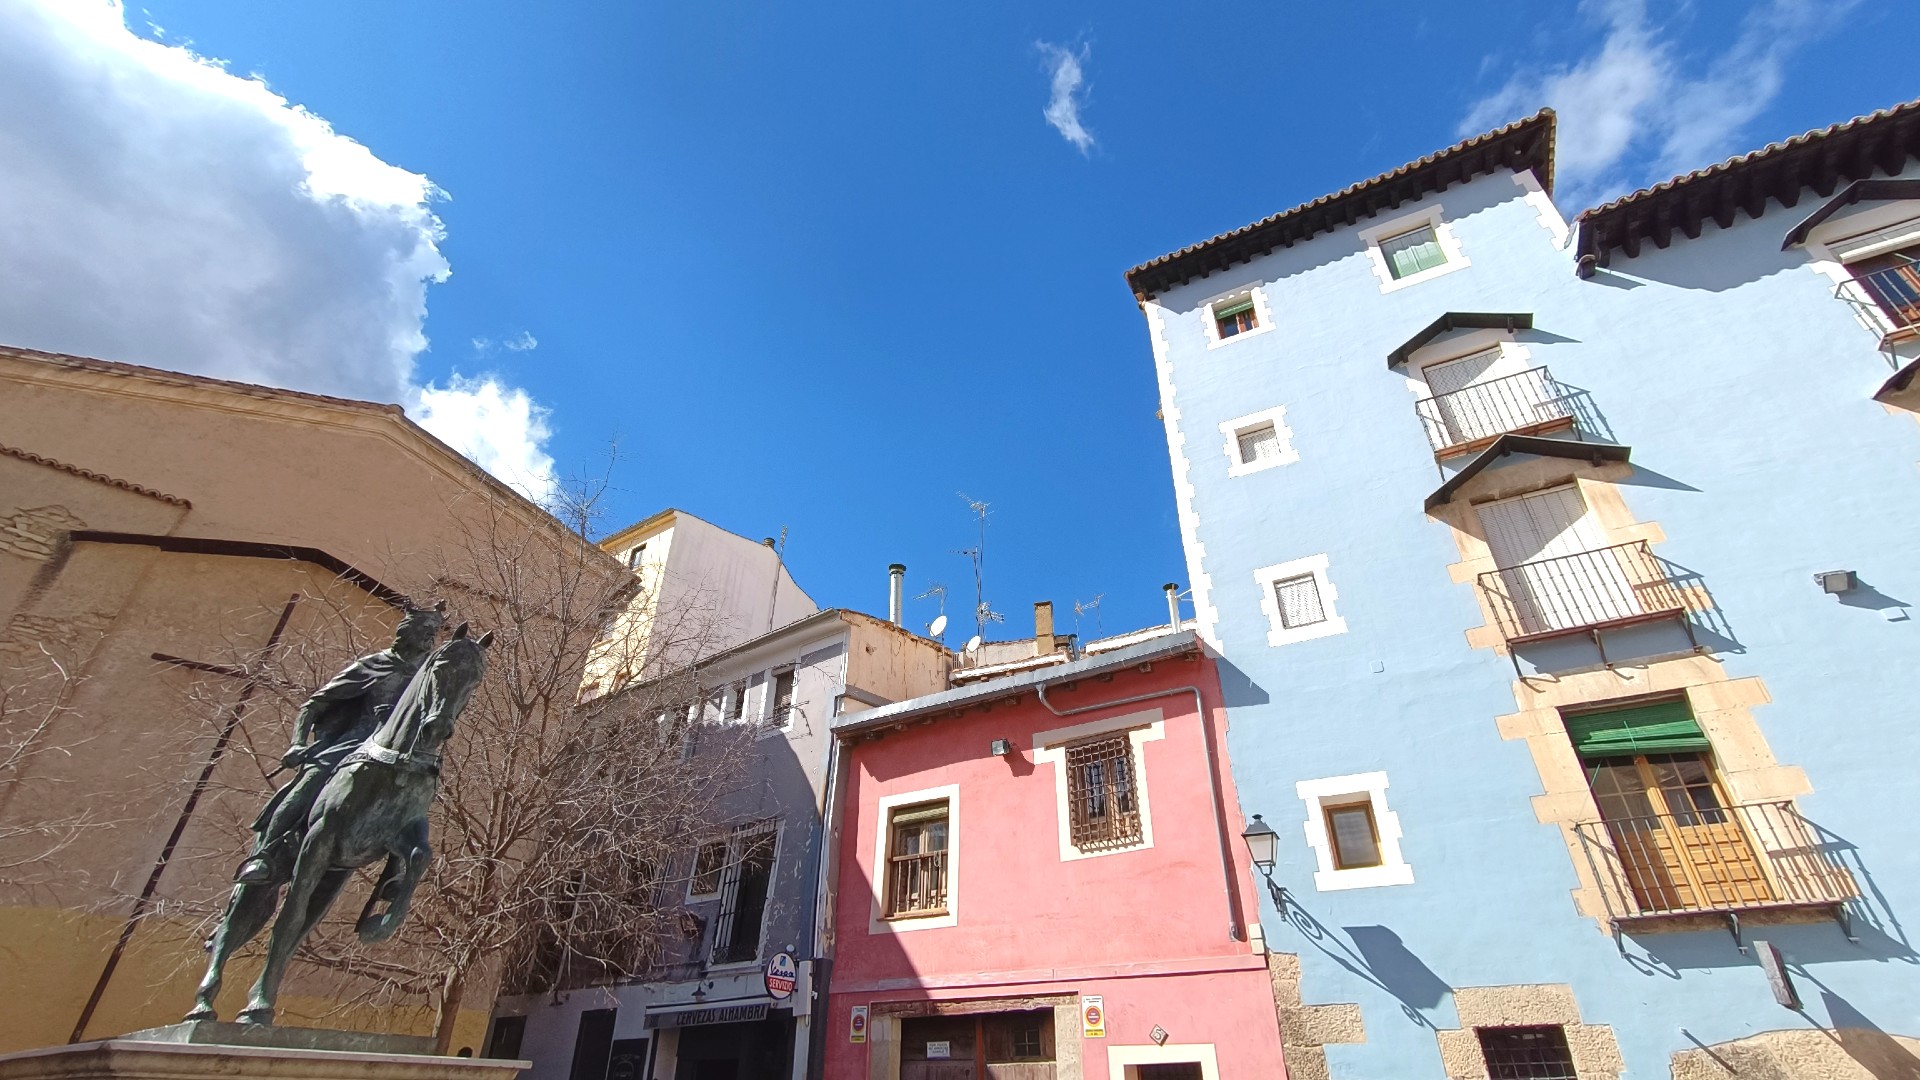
1856, 192
1524, 444
1901, 380
1460, 320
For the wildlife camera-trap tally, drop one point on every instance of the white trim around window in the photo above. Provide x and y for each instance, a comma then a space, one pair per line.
1432, 216
1123, 1062
877, 923
1314, 566
1369, 788
1232, 430
1050, 747
1262, 317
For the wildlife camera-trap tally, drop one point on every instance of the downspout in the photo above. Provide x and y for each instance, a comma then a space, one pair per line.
1234, 932
825, 898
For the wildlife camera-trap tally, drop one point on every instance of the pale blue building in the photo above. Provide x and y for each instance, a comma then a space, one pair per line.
1564, 572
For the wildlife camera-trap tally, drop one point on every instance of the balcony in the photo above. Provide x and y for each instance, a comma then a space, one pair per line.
1655, 871
1529, 403
1888, 301
1583, 593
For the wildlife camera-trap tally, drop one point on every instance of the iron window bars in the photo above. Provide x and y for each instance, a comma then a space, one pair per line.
1102, 799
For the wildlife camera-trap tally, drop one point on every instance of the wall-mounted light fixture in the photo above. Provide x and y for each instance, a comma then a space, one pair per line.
1002, 747
1835, 582
1263, 846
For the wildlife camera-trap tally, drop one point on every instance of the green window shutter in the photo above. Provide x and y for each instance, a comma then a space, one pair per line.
914, 815
1229, 312
1666, 727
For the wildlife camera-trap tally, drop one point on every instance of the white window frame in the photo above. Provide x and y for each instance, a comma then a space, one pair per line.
1278, 633
877, 922
1433, 216
737, 842
1231, 430
693, 875
1123, 1062
1050, 748
1336, 791
1261, 314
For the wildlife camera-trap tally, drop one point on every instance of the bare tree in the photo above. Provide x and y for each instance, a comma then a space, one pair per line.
38, 680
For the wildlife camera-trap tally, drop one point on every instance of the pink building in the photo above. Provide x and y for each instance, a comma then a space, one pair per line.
1041, 877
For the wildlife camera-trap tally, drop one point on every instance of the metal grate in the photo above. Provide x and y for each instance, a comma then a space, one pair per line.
1527, 1053
1259, 444
1299, 601
1528, 401
1100, 793
1607, 587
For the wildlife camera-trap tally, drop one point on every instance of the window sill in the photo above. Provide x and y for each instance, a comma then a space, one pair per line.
1363, 878
912, 916
1221, 343
1393, 284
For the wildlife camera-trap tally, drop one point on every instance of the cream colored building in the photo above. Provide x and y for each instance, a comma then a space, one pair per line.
158, 532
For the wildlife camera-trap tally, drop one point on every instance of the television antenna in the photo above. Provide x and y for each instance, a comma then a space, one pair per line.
1083, 607
977, 554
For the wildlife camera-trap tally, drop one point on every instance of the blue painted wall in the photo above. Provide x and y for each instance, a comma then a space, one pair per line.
1743, 388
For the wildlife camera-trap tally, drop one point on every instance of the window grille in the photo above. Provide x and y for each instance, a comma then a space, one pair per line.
1299, 601
1259, 444
743, 898
1527, 1053
917, 860
782, 709
1101, 794
1411, 252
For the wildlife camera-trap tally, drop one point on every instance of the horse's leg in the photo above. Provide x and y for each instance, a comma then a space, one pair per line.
314, 863
322, 899
248, 909
413, 854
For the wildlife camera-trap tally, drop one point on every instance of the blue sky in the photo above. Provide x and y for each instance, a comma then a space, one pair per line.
826, 266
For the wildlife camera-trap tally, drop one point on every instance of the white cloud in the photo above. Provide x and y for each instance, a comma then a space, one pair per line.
157, 209
500, 427
1069, 93
520, 342
1638, 110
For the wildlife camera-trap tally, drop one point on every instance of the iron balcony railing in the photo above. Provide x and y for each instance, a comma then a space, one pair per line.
1589, 590
1889, 300
918, 884
1527, 402
1718, 859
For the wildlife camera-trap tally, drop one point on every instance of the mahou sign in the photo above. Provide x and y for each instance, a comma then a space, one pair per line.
782, 975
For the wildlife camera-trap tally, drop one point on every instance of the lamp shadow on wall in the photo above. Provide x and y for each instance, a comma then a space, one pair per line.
1376, 955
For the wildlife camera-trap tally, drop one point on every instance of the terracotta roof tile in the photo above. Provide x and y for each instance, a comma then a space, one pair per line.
97, 477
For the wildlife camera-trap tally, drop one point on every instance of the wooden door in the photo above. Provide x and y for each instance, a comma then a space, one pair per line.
1680, 848
1531, 538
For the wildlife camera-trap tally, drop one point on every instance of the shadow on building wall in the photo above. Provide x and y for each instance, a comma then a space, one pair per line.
1377, 955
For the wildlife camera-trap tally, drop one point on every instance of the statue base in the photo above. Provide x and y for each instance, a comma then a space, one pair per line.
204, 1050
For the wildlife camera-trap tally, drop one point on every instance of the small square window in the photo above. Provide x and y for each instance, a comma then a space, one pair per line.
1299, 601
707, 864
1412, 252
1527, 1053
1235, 317
634, 557
1356, 839
1259, 444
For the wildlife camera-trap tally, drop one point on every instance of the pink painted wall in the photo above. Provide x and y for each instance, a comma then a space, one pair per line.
1146, 927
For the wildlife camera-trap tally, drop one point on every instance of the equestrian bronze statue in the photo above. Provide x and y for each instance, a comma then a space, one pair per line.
367, 746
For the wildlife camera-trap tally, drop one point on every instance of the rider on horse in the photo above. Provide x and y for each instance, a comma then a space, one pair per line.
331, 725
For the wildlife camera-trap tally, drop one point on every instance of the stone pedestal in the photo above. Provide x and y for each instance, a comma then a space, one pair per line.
208, 1051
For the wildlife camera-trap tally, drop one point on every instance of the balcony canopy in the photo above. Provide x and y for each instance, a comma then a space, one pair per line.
1524, 444
1460, 320
1857, 192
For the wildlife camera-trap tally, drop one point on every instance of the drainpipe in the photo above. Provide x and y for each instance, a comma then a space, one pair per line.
1173, 603
896, 589
1213, 781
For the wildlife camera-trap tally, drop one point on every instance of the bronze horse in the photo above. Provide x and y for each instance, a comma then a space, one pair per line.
374, 806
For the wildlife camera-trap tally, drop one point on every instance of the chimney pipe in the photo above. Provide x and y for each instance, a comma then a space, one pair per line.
896, 589
1043, 628
1173, 603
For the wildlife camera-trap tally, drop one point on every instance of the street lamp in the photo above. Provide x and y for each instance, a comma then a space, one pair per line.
1263, 845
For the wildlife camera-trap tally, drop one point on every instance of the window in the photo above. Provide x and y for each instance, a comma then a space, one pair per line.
634, 557
1101, 797
1412, 252
1527, 1053
1356, 840
736, 702
1892, 282
1258, 441
1259, 444
1354, 836
1235, 318
708, 862
781, 711
743, 896
917, 860
1299, 601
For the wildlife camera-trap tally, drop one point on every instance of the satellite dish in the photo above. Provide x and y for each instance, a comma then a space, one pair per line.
973, 644
938, 626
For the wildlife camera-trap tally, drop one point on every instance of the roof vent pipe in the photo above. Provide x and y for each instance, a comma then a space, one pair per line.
896, 588
1173, 603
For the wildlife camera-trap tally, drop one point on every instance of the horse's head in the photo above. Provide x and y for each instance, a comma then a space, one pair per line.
424, 716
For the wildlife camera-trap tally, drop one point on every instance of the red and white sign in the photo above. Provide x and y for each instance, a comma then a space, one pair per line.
782, 975
1093, 1016
858, 1032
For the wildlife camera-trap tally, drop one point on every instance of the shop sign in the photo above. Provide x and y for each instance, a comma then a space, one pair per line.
941, 1049
858, 1031
717, 1014
782, 975
1093, 1016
